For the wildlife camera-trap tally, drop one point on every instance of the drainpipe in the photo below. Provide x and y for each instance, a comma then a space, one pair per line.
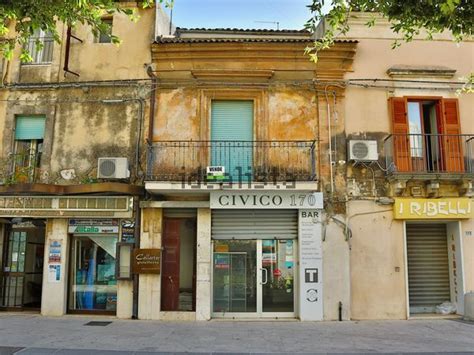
135, 277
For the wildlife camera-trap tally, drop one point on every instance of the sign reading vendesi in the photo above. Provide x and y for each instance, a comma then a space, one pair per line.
442, 208
266, 200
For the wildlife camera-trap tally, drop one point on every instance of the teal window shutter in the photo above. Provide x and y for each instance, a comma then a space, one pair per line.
29, 127
232, 137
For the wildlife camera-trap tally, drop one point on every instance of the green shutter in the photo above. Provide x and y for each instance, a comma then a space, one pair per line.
232, 136
29, 127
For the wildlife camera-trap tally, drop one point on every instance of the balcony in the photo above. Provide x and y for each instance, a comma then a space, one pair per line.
243, 161
20, 168
428, 156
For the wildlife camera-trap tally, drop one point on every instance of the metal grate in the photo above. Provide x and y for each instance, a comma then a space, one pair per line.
98, 323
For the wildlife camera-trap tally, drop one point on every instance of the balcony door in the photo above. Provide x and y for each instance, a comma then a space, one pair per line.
232, 138
426, 135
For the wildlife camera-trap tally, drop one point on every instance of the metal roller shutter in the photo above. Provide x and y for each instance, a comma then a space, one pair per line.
254, 224
428, 266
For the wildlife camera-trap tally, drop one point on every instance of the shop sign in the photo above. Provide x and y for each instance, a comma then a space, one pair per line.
266, 200
128, 231
66, 207
424, 208
93, 226
146, 261
311, 263
54, 252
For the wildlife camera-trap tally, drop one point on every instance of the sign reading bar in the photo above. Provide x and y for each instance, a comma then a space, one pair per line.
311, 265
146, 261
266, 199
442, 208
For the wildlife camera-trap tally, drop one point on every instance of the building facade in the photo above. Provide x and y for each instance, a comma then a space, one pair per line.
66, 201
409, 138
193, 174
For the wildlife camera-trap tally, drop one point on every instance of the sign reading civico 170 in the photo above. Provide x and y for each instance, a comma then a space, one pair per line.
266, 199
442, 208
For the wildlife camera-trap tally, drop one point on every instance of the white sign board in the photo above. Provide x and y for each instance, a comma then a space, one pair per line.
311, 265
266, 199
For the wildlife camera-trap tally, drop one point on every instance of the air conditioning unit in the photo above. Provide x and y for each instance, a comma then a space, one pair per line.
113, 168
363, 150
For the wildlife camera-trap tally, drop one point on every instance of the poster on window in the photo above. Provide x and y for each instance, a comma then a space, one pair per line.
54, 273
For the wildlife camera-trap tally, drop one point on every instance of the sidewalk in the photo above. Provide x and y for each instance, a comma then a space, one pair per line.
34, 334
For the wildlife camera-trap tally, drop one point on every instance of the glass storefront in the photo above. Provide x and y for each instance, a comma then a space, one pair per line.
93, 285
253, 276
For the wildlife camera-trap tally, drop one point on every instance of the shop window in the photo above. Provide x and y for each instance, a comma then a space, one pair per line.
40, 47
28, 147
104, 36
93, 284
178, 275
427, 135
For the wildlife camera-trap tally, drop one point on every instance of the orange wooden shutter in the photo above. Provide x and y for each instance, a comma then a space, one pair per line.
400, 130
452, 142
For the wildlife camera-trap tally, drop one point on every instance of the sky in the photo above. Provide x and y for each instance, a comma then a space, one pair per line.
291, 14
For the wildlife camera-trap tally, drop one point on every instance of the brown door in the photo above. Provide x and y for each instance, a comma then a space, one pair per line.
401, 141
452, 142
170, 265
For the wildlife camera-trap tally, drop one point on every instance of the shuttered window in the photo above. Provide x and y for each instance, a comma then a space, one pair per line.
232, 136
254, 224
29, 127
428, 266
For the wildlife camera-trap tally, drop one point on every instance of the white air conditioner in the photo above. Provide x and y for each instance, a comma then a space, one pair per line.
363, 150
113, 168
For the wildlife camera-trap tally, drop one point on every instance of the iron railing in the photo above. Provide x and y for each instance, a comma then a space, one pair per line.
429, 153
20, 168
242, 160
42, 52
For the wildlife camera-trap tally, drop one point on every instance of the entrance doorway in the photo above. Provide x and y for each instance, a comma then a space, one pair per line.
254, 278
178, 274
21, 276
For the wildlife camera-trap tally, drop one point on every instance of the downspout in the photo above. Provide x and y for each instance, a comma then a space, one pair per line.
135, 278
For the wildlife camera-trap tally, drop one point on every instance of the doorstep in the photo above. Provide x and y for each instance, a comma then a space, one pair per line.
425, 316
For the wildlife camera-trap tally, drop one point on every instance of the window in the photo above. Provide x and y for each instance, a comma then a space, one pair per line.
427, 135
93, 284
29, 134
104, 37
40, 47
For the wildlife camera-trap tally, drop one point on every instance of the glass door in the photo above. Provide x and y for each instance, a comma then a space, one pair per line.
278, 276
253, 278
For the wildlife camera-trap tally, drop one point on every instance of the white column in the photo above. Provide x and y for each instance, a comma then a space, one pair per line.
203, 266
124, 299
54, 296
149, 286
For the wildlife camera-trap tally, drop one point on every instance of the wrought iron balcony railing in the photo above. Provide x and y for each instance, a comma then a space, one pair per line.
20, 168
430, 153
242, 160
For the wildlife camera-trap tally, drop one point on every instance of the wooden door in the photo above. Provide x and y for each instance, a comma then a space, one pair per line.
170, 265
452, 142
400, 130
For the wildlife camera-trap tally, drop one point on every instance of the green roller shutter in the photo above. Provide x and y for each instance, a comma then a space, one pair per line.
29, 127
232, 136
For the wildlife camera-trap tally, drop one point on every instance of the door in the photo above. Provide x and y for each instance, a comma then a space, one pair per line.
232, 138
170, 265
254, 278
22, 271
428, 268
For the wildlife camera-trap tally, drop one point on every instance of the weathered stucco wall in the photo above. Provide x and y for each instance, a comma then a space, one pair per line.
80, 128
378, 288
